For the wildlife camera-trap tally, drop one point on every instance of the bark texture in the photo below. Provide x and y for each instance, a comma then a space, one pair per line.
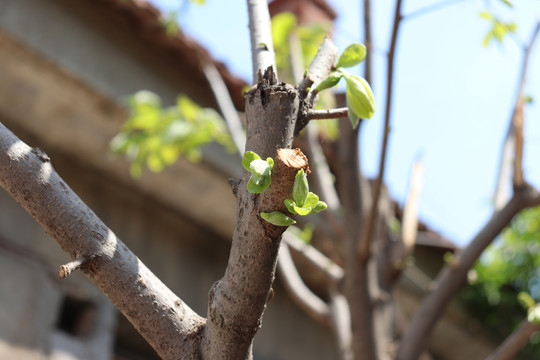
237, 301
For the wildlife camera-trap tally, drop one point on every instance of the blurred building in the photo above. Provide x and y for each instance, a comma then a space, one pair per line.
64, 67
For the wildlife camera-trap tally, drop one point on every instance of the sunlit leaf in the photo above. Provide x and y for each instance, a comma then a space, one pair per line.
277, 218
360, 98
300, 188
290, 204
321, 205
353, 55
249, 156
330, 81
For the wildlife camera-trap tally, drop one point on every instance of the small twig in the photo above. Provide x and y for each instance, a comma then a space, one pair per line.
226, 105
327, 114
321, 66
262, 46
517, 123
363, 245
65, 270
513, 343
298, 291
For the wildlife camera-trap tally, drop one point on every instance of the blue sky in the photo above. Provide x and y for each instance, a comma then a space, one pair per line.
452, 96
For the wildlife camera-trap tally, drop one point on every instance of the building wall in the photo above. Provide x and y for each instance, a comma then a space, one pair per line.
63, 69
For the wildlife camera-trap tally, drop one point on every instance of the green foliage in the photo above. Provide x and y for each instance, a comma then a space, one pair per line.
499, 29
353, 55
507, 287
157, 136
260, 170
360, 99
304, 203
277, 218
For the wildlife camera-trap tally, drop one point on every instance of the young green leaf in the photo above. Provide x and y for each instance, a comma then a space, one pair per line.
257, 188
300, 188
353, 55
311, 200
321, 205
302, 210
330, 81
260, 167
359, 97
249, 156
290, 204
277, 218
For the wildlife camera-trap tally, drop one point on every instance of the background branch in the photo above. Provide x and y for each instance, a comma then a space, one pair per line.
367, 232
454, 275
223, 98
513, 344
510, 148
298, 291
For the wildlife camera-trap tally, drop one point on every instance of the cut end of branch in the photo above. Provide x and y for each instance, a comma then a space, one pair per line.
65, 270
294, 159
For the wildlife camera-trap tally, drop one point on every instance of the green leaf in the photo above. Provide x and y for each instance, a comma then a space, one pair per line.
277, 218
300, 188
330, 81
486, 15
353, 55
302, 210
321, 205
260, 167
249, 156
359, 98
290, 204
507, 3
311, 200
257, 188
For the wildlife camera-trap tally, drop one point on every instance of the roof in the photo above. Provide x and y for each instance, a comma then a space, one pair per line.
146, 23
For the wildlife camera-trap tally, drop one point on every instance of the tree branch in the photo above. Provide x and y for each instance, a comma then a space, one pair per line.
328, 113
454, 275
363, 246
321, 66
29, 177
341, 318
512, 344
410, 212
262, 46
299, 292
226, 105
332, 272
513, 147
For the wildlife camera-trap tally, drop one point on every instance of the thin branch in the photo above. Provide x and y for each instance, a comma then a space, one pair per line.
454, 275
328, 114
262, 46
430, 8
332, 272
321, 66
341, 319
511, 146
517, 123
149, 305
513, 343
363, 246
226, 105
298, 291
